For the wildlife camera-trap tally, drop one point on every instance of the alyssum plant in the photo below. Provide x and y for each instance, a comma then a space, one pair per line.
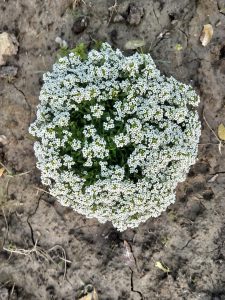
114, 137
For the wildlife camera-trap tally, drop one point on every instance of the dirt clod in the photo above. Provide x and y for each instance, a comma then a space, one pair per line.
8, 46
208, 194
8, 71
4, 294
80, 25
135, 13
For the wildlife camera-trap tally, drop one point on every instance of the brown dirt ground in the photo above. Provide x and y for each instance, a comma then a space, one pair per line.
188, 238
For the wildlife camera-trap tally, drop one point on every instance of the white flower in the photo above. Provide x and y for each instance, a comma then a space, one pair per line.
97, 110
114, 137
121, 140
76, 145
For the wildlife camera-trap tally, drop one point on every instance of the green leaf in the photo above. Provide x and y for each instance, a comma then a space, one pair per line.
80, 50
62, 52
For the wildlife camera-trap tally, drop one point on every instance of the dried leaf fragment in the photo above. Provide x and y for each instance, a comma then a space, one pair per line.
128, 255
90, 296
221, 132
206, 34
2, 170
162, 267
134, 44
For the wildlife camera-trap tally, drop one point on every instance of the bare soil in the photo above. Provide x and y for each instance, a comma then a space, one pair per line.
189, 237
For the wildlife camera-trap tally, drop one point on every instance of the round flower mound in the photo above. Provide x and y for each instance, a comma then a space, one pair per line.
114, 137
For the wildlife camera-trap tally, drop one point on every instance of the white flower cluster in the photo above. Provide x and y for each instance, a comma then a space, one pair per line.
114, 137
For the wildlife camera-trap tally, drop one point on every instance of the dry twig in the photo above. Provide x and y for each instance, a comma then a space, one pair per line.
112, 9
220, 143
37, 250
42, 190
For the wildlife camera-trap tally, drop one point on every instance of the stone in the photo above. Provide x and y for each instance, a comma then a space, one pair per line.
79, 25
8, 46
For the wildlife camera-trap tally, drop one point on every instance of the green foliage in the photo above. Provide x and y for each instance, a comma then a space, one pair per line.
80, 50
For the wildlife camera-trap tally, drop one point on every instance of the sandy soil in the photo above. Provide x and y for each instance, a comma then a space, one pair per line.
188, 238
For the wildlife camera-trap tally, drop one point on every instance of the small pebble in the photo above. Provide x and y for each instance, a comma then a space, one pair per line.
3, 140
